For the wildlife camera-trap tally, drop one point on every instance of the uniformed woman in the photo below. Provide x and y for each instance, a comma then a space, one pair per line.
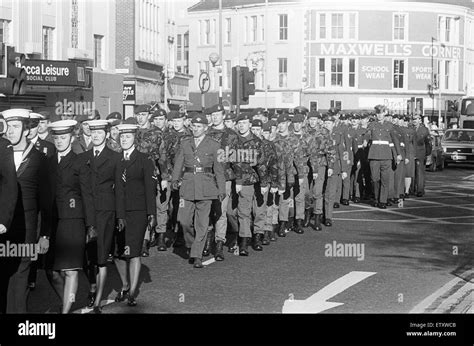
409, 131
139, 203
72, 196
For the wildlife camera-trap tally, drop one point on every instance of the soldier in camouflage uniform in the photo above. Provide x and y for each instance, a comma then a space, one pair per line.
229, 121
271, 163
113, 143
228, 140
172, 139
149, 140
252, 182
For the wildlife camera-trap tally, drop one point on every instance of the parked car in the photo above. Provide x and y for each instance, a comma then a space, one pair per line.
435, 161
458, 146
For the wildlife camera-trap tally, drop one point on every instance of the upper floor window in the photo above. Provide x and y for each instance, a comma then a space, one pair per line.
337, 25
283, 26
98, 50
399, 26
4, 31
228, 30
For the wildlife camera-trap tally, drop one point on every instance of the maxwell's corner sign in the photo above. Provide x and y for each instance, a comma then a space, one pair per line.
54, 73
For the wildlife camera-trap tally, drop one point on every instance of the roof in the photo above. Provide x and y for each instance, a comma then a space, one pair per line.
209, 5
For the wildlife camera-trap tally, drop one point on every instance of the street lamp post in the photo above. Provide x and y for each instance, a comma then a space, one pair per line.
214, 58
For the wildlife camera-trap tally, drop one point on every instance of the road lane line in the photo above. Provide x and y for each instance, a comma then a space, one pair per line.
404, 208
427, 221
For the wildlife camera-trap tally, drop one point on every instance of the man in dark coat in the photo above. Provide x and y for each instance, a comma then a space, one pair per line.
8, 197
203, 181
423, 148
33, 188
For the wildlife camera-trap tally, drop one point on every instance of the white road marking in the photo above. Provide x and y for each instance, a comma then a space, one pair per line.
318, 301
404, 208
427, 221
209, 261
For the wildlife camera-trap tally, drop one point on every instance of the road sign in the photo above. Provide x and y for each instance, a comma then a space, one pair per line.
204, 82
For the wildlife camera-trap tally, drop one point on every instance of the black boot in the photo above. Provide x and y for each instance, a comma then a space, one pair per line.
207, 247
266, 238
345, 202
153, 239
307, 217
336, 205
317, 222
243, 251
328, 223
291, 224
273, 233
299, 226
219, 251
198, 263
145, 245
160, 242
282, 229
257, 242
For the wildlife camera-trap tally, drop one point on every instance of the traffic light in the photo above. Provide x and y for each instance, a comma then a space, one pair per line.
248, 83
243, 85
13, 75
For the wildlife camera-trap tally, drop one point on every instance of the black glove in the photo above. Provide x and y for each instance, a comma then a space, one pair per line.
163, 195
121, 224
151, 221
270, 199
91, 234
175, 185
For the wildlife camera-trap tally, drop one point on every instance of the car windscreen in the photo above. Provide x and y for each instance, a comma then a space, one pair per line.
459, 136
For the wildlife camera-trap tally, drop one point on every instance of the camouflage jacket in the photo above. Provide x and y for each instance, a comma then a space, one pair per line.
114, 145
300, 152
249, 167
150, 142
322, 150
340, 163
284, 156
172, 140
343, 130
272, 164
229, 140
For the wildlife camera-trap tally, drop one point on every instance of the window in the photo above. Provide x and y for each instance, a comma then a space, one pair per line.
228, 30
207, 33
336, 72
337, 25
447, 73
179, 47
206, 66
228, 74
335, 104
322, 72
74, 24
447, 31
213, 31
283, 26
282, 72
47, 43
398, 73
4, 31
322, 25
313, 106
399, 26
186, 52
352, 72
98, 51
262, 28
147, 31
253, 29
352, 25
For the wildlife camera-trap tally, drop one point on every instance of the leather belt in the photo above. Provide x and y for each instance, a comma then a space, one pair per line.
380, 142
195, 170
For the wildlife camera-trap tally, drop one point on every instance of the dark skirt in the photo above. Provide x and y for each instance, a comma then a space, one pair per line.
66, 251
410, 168
129, 242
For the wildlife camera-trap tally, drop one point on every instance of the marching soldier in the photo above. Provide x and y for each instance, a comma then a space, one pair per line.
409, 132
139, 202
273, 199
356, 133
33, 196
104, 165
8, 199
228, 141
399, 176
382, 142
203, 181
229, 120
72, 212
343, 185
43, 127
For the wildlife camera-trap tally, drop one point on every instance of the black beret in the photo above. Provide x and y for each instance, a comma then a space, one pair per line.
257, 123
298, 118
244, 116
114, 116
200, 119
283, 117
141, 109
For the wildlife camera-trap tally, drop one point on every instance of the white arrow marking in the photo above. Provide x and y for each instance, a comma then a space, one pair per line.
318, 301
469, 177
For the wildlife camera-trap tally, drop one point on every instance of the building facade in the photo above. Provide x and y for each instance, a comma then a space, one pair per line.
76, 35
350, 55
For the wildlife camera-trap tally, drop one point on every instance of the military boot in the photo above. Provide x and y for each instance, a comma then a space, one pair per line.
317, 222
299, 227
219, 256
243, 251
160, 242
291, 224
307, 217
282, 229
257, 242
145, 246
153, 238
273, 233
266, 238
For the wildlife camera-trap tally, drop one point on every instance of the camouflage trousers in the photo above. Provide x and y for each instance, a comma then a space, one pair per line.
293, 198
251, 201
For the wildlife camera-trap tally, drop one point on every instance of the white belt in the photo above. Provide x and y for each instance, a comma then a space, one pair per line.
391, 145
360, 146
402, 144
380, 142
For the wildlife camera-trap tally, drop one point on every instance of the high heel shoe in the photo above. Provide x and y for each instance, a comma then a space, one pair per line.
122, 295
131, 300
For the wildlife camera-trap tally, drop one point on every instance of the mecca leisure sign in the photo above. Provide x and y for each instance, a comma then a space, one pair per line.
54, 73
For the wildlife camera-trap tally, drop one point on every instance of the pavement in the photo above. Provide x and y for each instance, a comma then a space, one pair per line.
412, 258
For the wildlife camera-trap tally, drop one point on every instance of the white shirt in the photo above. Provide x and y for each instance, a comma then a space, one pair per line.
43, 135
18, 157
64, 153
127, 153
99, 148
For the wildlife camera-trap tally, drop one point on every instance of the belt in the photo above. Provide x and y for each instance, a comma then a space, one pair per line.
195, 170
380, 142
402, 144
360, 146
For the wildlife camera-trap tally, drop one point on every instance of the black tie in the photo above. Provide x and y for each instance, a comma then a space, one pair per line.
97, 152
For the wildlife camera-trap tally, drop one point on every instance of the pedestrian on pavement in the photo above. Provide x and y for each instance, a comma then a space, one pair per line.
138, 198
203, 180
422, 141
